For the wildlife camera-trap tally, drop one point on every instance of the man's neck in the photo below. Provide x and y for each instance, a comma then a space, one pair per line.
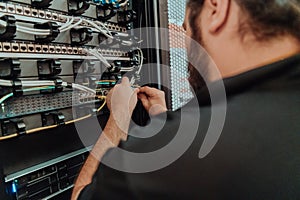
258, 54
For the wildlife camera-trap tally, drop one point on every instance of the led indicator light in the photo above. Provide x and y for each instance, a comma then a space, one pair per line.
14, 188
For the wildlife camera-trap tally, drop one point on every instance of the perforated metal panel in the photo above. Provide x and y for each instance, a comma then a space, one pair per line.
181, 93
27, 105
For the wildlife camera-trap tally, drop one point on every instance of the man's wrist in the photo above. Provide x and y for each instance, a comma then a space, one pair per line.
117, 130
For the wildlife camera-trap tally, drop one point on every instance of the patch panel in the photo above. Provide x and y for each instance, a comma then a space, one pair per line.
21, 12
55, 49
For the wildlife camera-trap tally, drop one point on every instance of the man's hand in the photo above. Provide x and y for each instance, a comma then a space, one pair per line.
121, 102
153, 100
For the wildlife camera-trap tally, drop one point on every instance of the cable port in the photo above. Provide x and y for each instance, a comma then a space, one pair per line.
30, 48
62, 18
3, 7
27, 11
42, 14
15, 47
23, 48
80, 51
19, 10
48, 15
64, 50
75, 50
58, 50
70, 50
54, 16
11, 8
34, 12
38, 48
45, 49
51, 49
6, 47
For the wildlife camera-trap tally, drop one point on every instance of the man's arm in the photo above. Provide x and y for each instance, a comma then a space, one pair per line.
115, 130
108, 139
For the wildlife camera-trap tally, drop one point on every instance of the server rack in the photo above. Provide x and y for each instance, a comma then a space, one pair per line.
43, 50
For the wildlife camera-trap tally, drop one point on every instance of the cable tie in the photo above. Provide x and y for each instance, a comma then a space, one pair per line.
17, 88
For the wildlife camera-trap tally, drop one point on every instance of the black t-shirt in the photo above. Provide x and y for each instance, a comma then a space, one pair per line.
256, 157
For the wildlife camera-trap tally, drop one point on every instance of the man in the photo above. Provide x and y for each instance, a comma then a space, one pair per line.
255, 45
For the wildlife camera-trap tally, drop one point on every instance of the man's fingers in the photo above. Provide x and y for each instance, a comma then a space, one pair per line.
142, 96
149, 91
125, 81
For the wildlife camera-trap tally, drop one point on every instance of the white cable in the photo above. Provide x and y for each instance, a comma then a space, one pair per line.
141, 56
104, 27
99, 56
31, 32
72, 26
107, 34
83, 88
3, 23
45, 31
70, 21
37, 83
127, 43
124, 4
34, 29
122, 34
5, 83
141, 61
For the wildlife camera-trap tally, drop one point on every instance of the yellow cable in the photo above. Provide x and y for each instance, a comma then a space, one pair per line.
79, 119
101, 107
8, 137
40, 129
110, 81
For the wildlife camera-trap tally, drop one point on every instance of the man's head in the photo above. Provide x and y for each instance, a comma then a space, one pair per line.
243, 34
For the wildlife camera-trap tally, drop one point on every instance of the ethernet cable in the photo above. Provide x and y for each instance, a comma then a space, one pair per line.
69, 22
68, 27
141, 62
100, 26
98, 55
124, 4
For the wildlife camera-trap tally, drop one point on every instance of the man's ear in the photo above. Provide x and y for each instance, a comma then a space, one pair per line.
219, 11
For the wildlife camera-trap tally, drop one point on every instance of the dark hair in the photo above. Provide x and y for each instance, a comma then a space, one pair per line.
265, 19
